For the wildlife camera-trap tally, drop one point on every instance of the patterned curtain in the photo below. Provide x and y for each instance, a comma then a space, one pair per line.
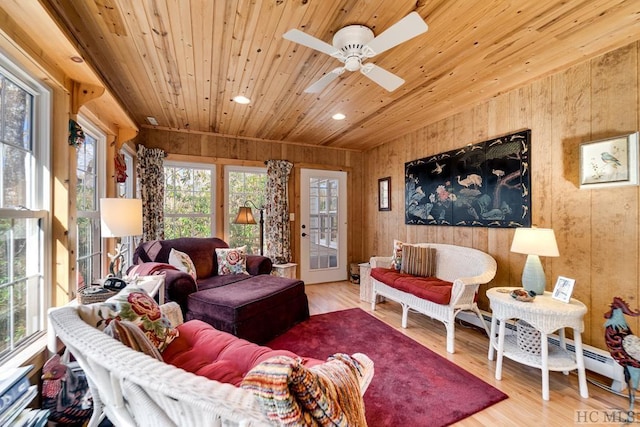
150, 170
278, 229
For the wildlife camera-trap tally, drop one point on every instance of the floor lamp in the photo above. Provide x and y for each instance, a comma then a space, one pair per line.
119, 218
245, 216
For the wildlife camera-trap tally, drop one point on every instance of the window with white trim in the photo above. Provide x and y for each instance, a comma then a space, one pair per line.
25, 138
89, 171
125, 190
188, 200
245, 186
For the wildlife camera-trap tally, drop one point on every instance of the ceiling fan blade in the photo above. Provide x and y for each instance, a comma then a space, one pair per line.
405, 29
310, 41
324, 81
384, 78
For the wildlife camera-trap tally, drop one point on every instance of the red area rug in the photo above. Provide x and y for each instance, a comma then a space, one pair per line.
412, 385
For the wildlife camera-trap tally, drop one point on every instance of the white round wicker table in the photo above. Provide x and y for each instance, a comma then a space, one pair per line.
547, 315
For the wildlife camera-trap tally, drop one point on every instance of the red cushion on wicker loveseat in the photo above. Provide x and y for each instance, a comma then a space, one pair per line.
429, 288
203, 350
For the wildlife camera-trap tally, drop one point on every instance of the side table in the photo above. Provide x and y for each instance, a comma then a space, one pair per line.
366, 287
547, 315
287, 270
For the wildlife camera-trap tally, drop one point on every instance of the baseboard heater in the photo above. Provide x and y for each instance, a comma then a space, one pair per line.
595, 359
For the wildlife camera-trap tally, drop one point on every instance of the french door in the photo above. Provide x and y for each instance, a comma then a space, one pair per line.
323, 225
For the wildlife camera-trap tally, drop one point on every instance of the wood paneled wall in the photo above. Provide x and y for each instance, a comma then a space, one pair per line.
597, 230
211, 148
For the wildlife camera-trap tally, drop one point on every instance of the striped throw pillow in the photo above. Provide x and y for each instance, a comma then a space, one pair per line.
418, 261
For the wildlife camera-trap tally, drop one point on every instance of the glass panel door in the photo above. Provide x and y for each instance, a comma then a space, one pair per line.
323, 226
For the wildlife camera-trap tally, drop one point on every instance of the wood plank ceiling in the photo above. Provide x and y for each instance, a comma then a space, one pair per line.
182, 61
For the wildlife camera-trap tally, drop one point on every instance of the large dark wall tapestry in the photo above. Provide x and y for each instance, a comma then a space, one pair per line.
486, 185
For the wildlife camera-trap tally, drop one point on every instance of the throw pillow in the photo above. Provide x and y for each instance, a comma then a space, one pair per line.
173, 312
129, 334
182, 262
232, 260
418, 261
396, 258
135, 305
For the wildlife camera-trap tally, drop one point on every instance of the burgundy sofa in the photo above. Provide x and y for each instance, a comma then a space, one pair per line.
256, 307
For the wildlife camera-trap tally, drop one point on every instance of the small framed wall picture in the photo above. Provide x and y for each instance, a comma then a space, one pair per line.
384, 194
563, 289
609, 162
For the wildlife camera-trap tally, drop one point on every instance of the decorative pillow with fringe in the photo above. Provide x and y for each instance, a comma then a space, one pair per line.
418, 261
129, 334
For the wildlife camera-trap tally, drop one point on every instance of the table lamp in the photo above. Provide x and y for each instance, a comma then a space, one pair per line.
245, 216
119, 218
534, 242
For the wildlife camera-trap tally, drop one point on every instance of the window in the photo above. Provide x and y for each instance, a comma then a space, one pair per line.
126, 190
244, 184
188, 200
24, 207
323, 218
90, 158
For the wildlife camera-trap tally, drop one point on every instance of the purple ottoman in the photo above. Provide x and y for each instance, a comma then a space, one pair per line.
257, 309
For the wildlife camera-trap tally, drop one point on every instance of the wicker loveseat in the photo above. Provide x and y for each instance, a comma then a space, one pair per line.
461, 271
133, 389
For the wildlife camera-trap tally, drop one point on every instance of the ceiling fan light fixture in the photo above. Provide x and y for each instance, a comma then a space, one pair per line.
355, 43
240, 99
338, 116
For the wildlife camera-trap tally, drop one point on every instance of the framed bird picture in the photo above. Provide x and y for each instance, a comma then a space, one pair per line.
487, 184
609, 162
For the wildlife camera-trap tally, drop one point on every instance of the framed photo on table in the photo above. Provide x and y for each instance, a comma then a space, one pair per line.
384, 194
563, 289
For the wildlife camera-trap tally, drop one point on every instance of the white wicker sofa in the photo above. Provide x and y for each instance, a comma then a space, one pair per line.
467, 268
133, 389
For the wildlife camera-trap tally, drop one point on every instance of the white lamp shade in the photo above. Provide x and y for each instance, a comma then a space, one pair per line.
535, 241
120, 217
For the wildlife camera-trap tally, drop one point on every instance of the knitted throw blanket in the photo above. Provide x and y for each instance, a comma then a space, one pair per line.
294, 395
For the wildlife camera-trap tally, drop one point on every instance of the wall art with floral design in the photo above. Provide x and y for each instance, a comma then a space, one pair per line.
485, 185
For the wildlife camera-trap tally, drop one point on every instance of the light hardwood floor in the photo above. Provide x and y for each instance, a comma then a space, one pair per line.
522, 384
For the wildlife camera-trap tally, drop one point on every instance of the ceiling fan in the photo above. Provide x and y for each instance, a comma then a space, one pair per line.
354, 44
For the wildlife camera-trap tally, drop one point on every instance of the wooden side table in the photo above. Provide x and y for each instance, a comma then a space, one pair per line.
547, 315
287, 270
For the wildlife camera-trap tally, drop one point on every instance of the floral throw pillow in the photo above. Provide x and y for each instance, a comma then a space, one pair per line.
182, 262
396, 258
232, 260
134, 305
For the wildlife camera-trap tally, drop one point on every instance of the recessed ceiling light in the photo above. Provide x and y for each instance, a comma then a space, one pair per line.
77, 59
338, 116
152, 121
241, 99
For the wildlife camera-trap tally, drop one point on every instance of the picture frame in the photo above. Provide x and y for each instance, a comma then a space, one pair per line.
609, 162
487, 184
384, 194
563, 289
